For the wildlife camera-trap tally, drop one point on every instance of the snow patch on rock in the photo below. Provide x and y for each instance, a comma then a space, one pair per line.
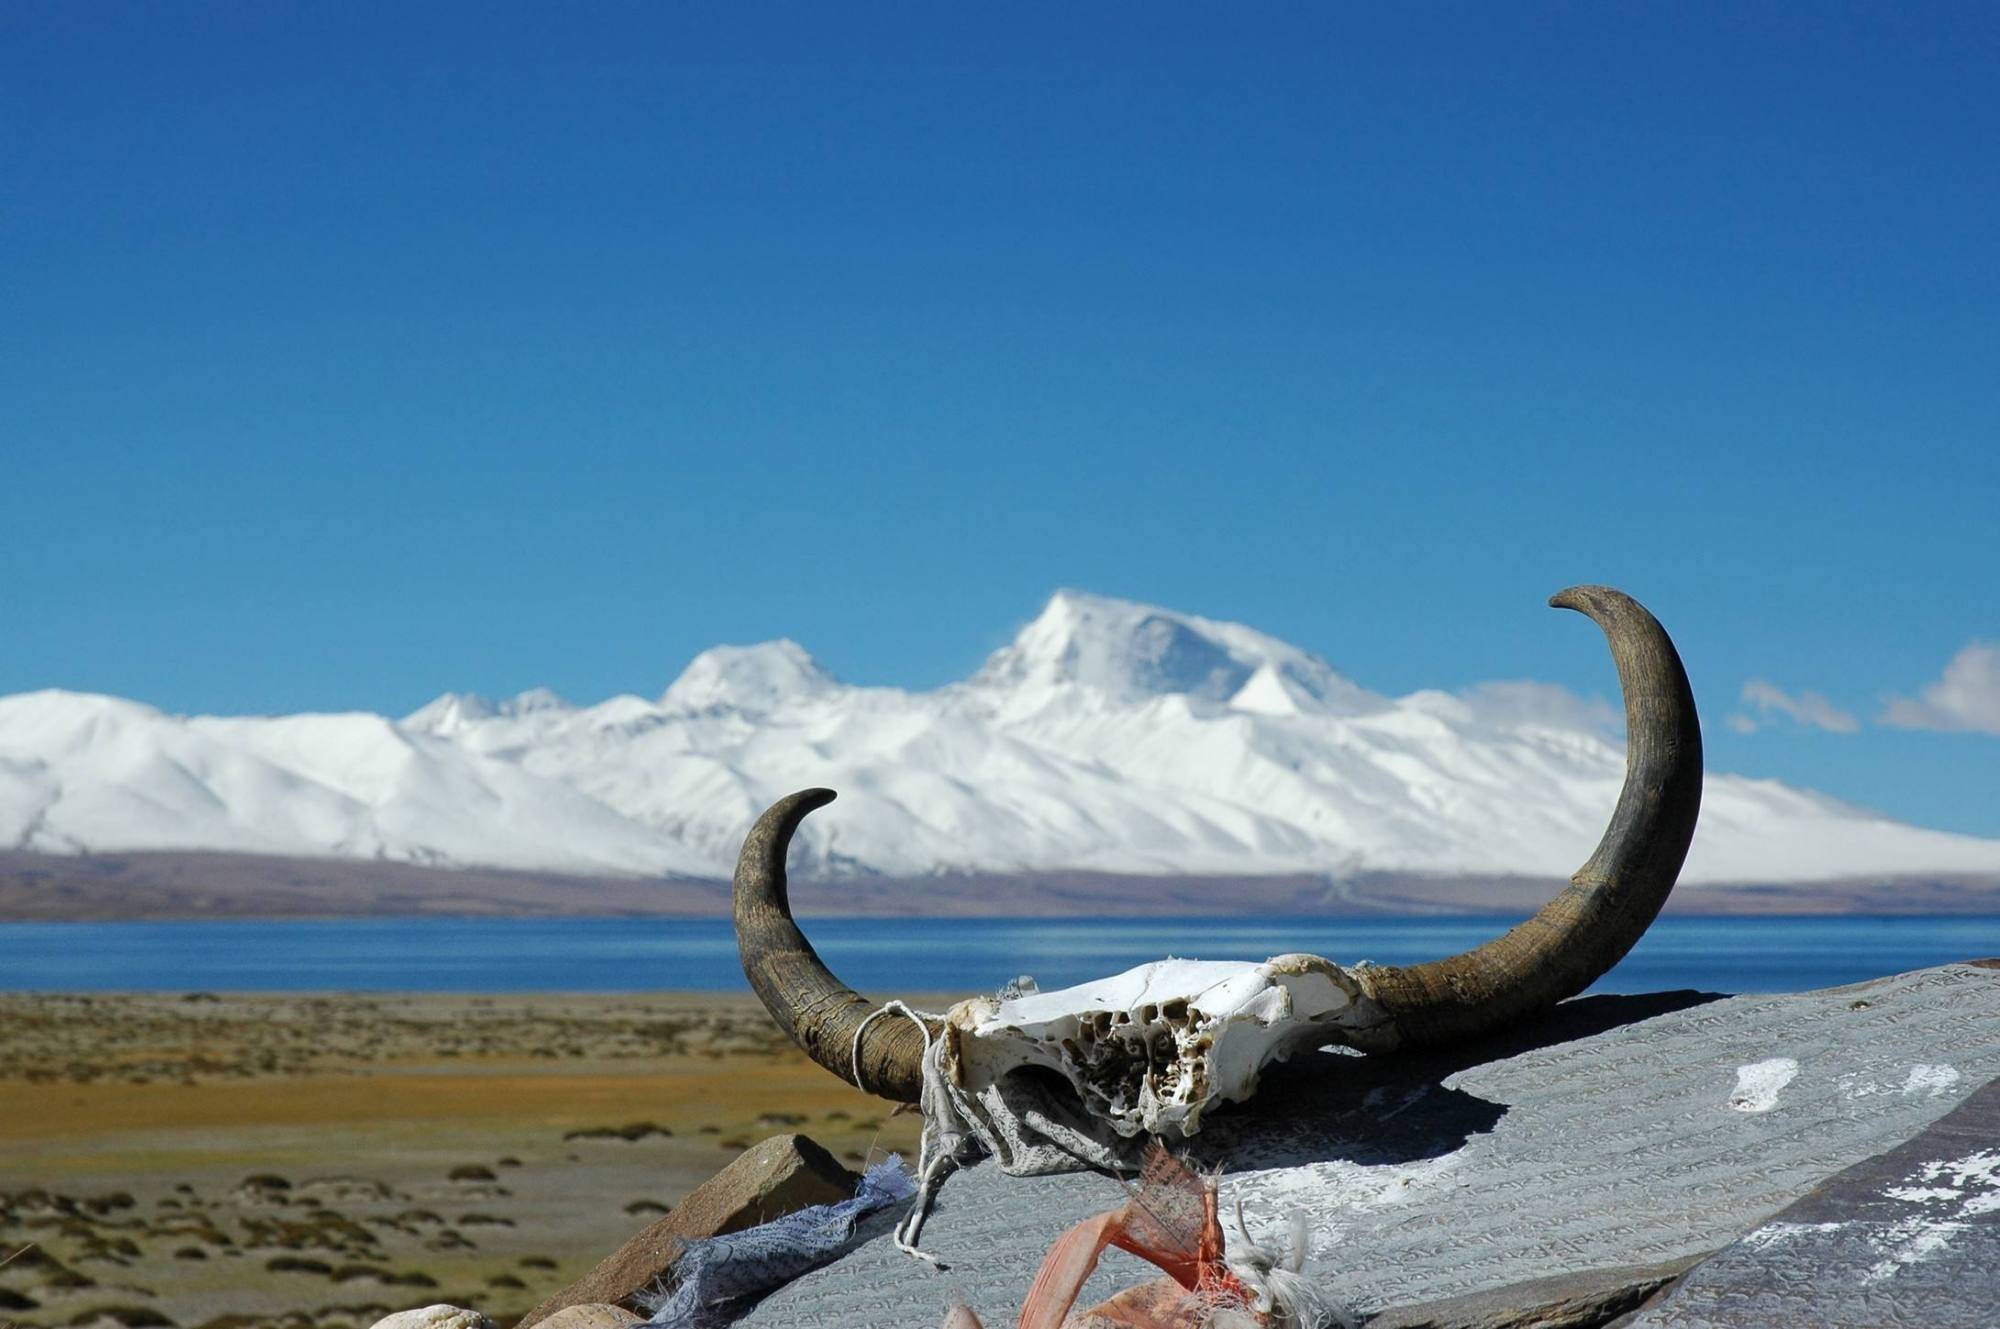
1951, 1193
1930, 1080
1759, 1084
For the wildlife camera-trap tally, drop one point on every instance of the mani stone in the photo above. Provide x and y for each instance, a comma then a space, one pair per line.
782, 1175
1909, 1237
1586, 1300
439, 1316
1617, 1132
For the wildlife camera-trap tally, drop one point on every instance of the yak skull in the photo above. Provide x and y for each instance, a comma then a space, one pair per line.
1149, 1050
1154, 1048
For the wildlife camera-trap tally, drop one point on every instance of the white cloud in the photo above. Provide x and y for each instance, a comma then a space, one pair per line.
1967, 697
1742, 723
1807, 708
1523, 702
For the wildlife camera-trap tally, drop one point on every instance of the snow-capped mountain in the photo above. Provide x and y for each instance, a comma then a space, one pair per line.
1108, 735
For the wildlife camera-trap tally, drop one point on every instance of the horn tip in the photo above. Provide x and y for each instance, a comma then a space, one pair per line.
1591, 599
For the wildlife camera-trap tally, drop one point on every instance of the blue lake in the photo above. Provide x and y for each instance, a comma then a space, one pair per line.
905, 955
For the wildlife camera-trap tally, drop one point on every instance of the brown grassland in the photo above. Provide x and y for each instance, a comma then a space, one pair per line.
322, 1160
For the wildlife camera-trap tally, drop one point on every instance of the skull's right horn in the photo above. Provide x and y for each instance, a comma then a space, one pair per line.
1612, 899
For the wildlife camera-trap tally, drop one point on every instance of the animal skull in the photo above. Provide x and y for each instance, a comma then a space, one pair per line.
1155, 1048
1151, 1049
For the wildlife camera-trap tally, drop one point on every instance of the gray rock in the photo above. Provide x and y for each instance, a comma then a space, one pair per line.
1909, 1237
782, 1175
1572, 1301
1619, 1131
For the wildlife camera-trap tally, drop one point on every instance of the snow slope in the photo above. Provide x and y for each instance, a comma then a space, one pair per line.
1108, 735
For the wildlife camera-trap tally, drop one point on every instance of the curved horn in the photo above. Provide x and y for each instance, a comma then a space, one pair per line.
820, 1012
1614, 897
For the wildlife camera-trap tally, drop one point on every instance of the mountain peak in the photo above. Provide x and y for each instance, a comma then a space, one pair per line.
1110, 736
534, 699
453, 711
748, 678
450, 712
1130, 651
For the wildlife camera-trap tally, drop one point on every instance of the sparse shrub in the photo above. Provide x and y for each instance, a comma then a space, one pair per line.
297, 1264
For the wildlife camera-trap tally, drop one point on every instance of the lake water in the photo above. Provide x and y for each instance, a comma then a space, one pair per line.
906, 955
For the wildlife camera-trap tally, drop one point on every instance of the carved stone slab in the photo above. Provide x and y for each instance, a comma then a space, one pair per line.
1588, 1300
1620, 1131
1910, 1237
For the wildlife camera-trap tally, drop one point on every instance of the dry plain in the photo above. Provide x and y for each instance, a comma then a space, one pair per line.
317, 1160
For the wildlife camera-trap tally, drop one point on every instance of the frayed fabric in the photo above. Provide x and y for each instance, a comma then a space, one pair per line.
1277, 1285
718, 1279
1171, 1221
1027, 1126
1030, 1126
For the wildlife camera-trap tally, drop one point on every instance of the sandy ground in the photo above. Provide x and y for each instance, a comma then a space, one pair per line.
321, 1160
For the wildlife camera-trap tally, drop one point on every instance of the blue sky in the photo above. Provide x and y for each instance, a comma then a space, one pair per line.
352, 353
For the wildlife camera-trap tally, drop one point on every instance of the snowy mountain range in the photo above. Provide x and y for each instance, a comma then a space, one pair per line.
1107, 736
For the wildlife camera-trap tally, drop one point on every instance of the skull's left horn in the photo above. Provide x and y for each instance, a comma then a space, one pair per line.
821, 1013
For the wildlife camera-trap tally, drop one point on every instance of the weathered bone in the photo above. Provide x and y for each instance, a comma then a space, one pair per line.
1151, 1049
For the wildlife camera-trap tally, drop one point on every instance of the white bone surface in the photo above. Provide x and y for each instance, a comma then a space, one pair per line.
1153, 1048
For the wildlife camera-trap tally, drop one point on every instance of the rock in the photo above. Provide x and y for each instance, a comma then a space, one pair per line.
1599, 1136
440, 1316
1568, 1301
782, 1175
595, 1315
1908, 1237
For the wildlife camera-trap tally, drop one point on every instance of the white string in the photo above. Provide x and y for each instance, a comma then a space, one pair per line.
893, 1007
1283, 1291
933, 1169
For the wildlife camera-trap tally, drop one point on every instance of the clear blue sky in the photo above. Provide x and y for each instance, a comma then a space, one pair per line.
351, 353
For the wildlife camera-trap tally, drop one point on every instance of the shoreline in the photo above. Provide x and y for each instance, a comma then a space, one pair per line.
168, 886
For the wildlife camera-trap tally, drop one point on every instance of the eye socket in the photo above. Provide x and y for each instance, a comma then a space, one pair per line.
1045, 1078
